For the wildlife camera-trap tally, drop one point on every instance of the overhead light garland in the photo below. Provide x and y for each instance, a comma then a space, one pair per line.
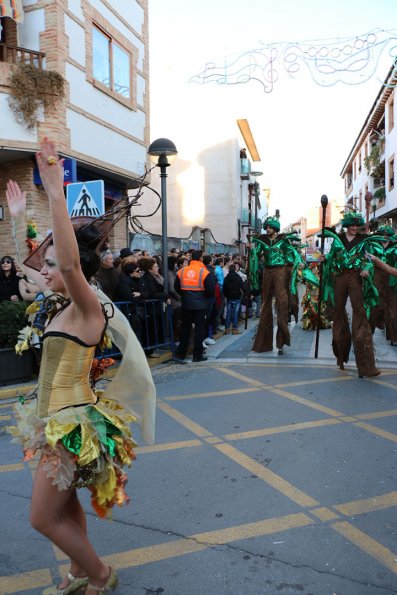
349, 60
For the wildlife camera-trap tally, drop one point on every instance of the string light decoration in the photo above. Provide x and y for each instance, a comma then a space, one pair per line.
349, 60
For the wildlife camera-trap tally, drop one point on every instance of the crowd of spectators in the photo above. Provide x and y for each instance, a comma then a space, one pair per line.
134, 279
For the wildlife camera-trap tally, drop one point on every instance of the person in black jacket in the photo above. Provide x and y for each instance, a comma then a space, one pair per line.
233, 291
9, 280
129, 290
152, 288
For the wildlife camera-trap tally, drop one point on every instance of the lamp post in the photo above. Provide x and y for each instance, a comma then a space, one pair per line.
162, 152
256, 174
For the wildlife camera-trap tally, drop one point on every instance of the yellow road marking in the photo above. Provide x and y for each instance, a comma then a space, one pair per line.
317, 381
167, 446
302, 401
213, 440
281, 429
274, 480
220, 393
348, 418
25, 580
202, 541
246, 379
377, 431
14, 467
369, 505
367, 544
378, 414
324, 514
383, 383
184, 421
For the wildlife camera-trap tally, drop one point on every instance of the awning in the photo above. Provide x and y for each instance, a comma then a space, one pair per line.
12, 9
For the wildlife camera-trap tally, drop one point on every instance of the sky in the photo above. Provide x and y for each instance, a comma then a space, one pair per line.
303, 131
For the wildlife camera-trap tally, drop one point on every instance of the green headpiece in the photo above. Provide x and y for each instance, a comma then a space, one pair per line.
272, 222
385, 230
352, 218
295, 239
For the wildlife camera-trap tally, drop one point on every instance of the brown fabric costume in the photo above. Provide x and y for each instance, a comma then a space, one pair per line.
391, 314
275, 283
349, 284
378, 315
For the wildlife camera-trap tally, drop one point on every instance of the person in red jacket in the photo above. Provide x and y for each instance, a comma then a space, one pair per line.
196, 286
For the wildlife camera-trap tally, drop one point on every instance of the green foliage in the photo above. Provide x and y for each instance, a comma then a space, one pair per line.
32, 88
12, 320
380, 193
372, 162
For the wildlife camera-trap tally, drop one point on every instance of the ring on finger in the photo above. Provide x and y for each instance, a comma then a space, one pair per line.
51, 160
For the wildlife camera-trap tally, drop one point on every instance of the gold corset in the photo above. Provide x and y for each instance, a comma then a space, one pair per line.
64, 373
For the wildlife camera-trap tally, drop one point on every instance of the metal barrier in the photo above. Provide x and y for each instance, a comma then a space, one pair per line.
151, 321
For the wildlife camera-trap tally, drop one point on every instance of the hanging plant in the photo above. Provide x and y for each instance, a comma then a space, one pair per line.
31, 89
380, 193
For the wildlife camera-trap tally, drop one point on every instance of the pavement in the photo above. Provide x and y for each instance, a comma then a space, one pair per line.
270, 474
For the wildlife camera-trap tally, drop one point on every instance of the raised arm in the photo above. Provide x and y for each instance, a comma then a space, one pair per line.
65, 243
382, 265
16, 200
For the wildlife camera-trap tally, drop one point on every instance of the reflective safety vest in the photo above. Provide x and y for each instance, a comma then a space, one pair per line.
192, 277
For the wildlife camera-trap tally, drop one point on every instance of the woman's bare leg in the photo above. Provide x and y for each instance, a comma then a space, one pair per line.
48, 517
74, 511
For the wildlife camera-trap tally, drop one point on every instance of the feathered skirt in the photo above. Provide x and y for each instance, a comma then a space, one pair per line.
83, 446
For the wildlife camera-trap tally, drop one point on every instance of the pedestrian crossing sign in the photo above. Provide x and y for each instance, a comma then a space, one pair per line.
86, 199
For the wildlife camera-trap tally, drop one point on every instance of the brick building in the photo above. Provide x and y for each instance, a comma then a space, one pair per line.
100, 47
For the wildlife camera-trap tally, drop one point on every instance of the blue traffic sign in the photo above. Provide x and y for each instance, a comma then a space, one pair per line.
86, 199
69, 172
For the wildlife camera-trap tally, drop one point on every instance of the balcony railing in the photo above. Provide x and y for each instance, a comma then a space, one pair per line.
16, 55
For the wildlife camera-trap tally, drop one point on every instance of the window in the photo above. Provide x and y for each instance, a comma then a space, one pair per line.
390, 115
110, 63
359, 162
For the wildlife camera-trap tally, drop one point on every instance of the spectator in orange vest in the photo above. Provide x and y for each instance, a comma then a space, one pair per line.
196, 286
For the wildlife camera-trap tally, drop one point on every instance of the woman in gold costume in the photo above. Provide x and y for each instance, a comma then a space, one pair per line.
84, 439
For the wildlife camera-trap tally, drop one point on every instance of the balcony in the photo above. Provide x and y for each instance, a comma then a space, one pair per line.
16, 55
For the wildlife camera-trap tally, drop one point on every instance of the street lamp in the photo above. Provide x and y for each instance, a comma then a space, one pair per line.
162, 152
256, 174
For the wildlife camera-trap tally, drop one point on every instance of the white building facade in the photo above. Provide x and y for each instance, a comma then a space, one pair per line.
369, 171
210, 188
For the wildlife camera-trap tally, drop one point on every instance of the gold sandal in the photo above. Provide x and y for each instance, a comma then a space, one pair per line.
75, 584
110, 585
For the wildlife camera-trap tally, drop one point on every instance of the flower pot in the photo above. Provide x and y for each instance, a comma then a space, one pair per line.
15, 368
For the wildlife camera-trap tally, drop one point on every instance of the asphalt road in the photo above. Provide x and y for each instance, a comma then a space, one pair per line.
270, 475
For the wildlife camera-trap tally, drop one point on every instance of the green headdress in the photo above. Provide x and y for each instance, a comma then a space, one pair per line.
272, 222
352, 218
385, 230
